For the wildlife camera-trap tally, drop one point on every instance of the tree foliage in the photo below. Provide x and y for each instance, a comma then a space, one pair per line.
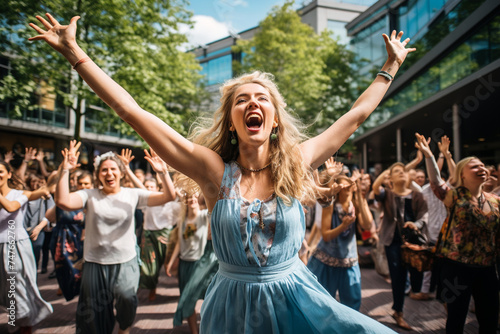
136, 42
312, 71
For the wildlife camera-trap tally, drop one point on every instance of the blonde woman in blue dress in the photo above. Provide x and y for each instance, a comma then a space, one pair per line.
253, 166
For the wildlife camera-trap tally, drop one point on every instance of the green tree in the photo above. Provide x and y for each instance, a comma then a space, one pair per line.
136, 42
312, 71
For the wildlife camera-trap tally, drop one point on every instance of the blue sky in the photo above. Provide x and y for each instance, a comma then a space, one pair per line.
213, 19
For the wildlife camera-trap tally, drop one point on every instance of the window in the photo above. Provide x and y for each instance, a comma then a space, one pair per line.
218, 70
338, 30
415, 14
479, 50
369, 44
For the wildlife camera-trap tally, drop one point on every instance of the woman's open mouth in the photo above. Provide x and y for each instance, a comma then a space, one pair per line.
254, 121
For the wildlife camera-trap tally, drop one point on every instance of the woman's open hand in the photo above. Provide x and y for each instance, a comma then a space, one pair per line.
333, 168
422, 144
158, 165
126, 157
70, 159
444, 145
57, 36
396, 49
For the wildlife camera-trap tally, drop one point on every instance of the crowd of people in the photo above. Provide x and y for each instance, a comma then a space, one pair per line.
351, 206
94, 236
237, 207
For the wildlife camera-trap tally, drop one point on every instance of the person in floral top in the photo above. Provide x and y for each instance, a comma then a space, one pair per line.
468, 242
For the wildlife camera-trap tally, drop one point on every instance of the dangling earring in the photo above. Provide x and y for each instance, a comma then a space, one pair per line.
274, 134
233, 138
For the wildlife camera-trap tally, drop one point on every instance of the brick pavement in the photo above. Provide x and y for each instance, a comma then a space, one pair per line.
157, 317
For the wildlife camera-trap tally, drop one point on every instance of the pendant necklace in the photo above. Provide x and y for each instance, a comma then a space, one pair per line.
253, 170
480, 202
261, 221
251, 187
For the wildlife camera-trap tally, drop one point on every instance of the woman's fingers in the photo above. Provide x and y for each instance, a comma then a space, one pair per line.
74, 19
37, 29
52, 20
45, 23
386, 38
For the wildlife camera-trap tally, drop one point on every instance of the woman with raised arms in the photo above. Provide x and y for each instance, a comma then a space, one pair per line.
253, 166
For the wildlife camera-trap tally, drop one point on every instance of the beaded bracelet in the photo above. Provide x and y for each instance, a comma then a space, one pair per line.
386, 75
81, 61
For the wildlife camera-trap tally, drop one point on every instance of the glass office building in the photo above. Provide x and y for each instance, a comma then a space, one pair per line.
448, 87
216, 58
50, 122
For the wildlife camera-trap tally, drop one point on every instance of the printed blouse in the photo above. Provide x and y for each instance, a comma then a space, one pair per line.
257, 219
469, 235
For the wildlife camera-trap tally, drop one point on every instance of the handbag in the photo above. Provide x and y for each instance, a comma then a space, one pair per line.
415, 252
422, 257
414, 237
419, 257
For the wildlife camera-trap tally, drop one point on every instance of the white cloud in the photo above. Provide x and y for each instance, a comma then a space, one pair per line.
205, 29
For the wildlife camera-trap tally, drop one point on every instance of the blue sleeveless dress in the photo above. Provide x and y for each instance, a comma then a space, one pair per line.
263, 287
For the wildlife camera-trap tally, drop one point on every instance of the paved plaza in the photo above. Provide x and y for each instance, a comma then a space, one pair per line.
157, 317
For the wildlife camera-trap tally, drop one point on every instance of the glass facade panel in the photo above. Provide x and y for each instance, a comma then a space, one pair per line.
369, 44
338, 30
379, 52
412, 27
214, 53
435, 5
218, 70
414, 15
479, 45
430, 35
479, 50
423, 14
494, 38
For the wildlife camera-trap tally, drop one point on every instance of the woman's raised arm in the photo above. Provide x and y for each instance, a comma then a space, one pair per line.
63, 198
316, 150
199, 163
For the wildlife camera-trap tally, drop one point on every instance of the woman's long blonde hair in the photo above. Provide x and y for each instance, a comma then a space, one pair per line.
292, 179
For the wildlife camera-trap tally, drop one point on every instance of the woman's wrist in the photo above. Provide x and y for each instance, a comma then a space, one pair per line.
391, 66
427, 154
73, 53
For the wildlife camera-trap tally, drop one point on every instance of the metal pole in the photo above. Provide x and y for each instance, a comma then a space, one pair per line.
399, 153
456, 133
